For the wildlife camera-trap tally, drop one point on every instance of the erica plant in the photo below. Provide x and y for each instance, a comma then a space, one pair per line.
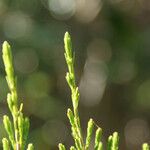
17, 128
73, 115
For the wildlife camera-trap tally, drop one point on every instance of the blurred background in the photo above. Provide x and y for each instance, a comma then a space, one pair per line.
111, 39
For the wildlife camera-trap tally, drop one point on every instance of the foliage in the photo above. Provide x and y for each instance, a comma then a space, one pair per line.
112, 46
73, 116
18, 128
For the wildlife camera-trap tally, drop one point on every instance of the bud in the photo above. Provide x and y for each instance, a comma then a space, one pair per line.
68, 45
115, 140
61, 146
71, 117
145, 146
5, 144
100, 146
109, 144
98, 135
89, 132
72, 148
30, 147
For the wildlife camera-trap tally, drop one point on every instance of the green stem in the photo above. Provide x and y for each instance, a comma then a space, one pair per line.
70, 77
20, 125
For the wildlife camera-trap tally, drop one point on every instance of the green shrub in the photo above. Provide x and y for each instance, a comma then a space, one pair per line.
17, 128
80, 143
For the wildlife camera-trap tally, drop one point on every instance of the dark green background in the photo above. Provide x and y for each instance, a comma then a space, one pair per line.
111, 39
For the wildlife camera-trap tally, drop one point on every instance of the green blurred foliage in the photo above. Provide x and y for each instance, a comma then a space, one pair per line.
111, 42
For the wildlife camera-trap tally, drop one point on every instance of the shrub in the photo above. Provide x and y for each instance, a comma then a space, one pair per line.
17, 128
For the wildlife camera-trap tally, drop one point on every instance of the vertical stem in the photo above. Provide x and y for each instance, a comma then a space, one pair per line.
70, 77
20, 125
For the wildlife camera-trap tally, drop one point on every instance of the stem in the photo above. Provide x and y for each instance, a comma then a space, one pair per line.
18, 129
70, 77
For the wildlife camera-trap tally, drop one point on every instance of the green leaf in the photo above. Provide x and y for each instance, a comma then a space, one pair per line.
98, 135
9, 129
5, 144
109, 143
30, 147
145, 146
89, 133
61, 146
72, 148
100, 146
115, 141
